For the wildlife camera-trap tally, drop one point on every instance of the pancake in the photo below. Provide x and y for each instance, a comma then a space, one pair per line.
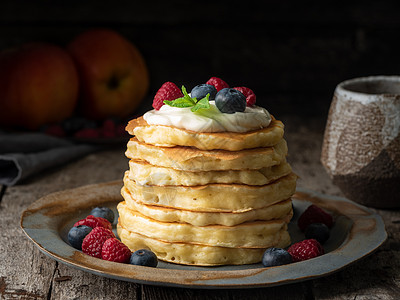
257, 234
165, 214
144, 173
167, 136
214, 197
192, 159
199, 255
206, 198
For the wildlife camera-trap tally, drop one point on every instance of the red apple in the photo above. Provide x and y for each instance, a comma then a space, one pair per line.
38, 85
113, 74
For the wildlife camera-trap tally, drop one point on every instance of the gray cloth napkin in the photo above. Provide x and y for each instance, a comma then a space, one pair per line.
22, 155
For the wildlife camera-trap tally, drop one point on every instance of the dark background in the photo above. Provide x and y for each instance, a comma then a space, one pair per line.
292, 54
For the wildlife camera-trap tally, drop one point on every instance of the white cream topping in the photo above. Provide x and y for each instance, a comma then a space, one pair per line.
209, 120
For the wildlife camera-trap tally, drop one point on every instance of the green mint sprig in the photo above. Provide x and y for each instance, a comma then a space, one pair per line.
187, 101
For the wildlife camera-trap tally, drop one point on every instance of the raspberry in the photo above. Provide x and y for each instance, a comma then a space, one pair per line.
305, 249
94, 222
93, 243
218, 83
314, 214
114, 250
168, 91
249, 94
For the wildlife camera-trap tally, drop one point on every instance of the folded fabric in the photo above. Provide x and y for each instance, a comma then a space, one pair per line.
22, 155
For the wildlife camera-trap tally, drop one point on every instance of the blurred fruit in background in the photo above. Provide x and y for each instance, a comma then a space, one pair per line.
38, 85
113, 74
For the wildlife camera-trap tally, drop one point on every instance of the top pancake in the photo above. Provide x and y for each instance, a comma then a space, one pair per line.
167, 136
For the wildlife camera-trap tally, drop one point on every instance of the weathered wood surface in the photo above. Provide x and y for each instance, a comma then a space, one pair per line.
26, 273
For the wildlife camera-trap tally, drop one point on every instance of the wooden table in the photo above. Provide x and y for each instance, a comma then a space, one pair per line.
26, 273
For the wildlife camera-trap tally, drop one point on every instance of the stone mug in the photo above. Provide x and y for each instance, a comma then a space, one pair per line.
361, 146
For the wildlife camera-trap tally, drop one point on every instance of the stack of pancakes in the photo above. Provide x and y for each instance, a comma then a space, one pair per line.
202, 198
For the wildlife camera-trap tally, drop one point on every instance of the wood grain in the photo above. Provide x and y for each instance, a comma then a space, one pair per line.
26, 273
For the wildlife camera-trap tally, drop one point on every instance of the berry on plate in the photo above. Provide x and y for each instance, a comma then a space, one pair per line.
317, 231
77, 234
94, 222
229, 101
144, 257
314, 214
276, 257
168, 91
248, 93
93, 243
305, 249
201, 90
114, 250
218, 83
103, 212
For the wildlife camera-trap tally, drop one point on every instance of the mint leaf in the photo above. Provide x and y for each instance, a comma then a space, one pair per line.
202, 104
185, 93
180, 102
187, 101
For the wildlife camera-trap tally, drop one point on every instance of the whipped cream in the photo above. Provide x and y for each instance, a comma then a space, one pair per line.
209, 120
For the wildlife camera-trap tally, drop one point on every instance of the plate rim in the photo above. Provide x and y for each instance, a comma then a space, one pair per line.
247, 277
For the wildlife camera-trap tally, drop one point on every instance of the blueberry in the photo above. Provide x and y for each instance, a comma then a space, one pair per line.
201, 90
276, 257
144, 257
229, 101
77, 234
318, 231
103, 212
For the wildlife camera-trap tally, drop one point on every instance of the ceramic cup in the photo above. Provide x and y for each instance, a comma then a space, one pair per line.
361, 147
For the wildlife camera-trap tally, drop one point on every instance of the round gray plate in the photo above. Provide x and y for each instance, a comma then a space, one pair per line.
357, 232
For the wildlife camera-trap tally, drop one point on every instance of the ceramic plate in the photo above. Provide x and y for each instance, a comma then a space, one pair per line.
357, 232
